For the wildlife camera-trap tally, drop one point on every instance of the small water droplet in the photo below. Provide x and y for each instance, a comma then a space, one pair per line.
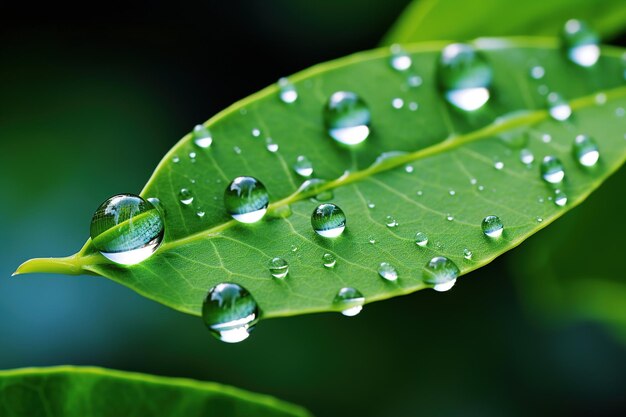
498, 165
127, 229
175, 159
414, 80
185, 196
421, 239
481, 188
350, 300
237, 150
400, 60
347, 118
413, 106
279, 268
397, 103
552, 170
585, 150
441, 273
581, 44
526, 156
246, 199
467, 254
492, 227
537, 72
420, 193
600, 99
325, 195
387, 271
558, 108
473, 181
288, 93
192, 156
329, 260
200, 213
271, 146
543, 89
202, 137
560, 198
538, 219
452, 192
303, 166
620, 112
371, 240
449, 217
256, 132
546, 138
371, 205
464, 76
328, 220
294, 248
230, 312
390, 221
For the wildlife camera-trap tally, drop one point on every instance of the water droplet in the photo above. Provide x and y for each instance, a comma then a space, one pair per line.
526, 156
397, 103
328, 220
371, 240
200, 213
473, 181
126, 229
246, 199
620, 112
400, 60
371, 205
552, 170
421, 239
441, 273
175, 159
230, 312
449, 217
558, 108
158, 204
481, 188
467, 254
387, 271
498, 165
271, 146
192, 156
347, 118
546, 138
452, 192
581, 44
464, 76
202, 137
350, 300
325, 195
256, 132
600, 99
294, 248
288, 93
538, 219
279, 268
537, 72
560, 198
413, 106
390, 221
185, 196
414, 80
329, 260
237, 150
585, 150
492, 227
420, 193
303, 166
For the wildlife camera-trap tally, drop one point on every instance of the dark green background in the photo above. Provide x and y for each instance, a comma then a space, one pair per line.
88, 107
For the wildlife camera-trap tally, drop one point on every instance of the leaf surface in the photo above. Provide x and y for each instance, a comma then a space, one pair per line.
453, 184
76, 391
425, 20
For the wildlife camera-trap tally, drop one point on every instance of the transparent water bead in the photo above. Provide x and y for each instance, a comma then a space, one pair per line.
421, 239
560, 198
287, 91
499, 165
329, 260
202, 137
467, 254
558, 107
230, 312
526, 156
246, 199
271, 146
492, 226
127, 229
585, 150
580, 43
400, 60
279, 268
347, 118
387, 271
303, 166
441, 273
552, 170
157, 204
464, 76
185, 196
328, 220
537, 72
350, 300
390, 221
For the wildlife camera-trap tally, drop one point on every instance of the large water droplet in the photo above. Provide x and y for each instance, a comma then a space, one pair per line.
350, 300
328, 220
246, 199
560, 198
421, 239
329, 260
492, 227
552, 170
464, 76
279, 268
347, 118
558, 107
230, 312
303, 166
185, 196
387, 271
126, 229
288, 93
585, 150
158, 204
581, 44
202, 137
441, 273
400, 60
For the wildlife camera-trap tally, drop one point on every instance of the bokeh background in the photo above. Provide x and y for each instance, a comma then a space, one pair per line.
87, 108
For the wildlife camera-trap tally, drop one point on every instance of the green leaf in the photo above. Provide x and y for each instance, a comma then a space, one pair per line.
447, 149
425, 20
76, 391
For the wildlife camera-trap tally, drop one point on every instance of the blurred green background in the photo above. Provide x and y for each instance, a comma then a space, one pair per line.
87, 109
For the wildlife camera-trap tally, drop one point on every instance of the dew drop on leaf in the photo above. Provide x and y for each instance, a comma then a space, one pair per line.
329, 260
400, 60
350, 301
526, 156
390, 221
387, 271
585, 150
230, 312
287, 91
441, 273
580, 43
279, 268
492, 226
552, 170
421, 239
328, 220
185, 196
347, 118
202, 137
560, 198
467, 254
558, 108
246, 199
303, 166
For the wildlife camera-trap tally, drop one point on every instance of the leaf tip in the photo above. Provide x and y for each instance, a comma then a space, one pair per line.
67, 266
